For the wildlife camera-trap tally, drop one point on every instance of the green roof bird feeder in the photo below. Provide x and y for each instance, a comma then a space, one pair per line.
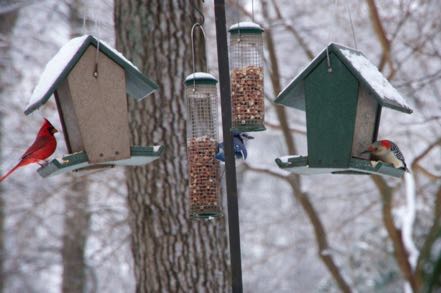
246, 58
342, 93
202, 138
91, 81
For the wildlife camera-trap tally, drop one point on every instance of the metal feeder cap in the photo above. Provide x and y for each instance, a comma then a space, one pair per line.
200, 78
245, 27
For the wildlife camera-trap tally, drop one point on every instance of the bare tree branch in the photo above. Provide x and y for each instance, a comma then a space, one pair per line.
382, 37
278, 127
394, 233
431, 237
416, 166
293, 30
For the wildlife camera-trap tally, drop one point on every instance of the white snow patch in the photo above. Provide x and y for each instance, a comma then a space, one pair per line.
119, 54
58, 63
246, 25
408, 219
156, 148
54, 68
285, 159
374, 77
200, 75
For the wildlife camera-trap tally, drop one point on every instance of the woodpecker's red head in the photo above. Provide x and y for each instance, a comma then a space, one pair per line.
379, 147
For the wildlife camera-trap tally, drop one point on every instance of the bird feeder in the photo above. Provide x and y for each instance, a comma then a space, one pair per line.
343, 94
202, 137
90, 81
246, 58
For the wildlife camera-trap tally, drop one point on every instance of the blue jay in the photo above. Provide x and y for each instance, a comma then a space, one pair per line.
240, 151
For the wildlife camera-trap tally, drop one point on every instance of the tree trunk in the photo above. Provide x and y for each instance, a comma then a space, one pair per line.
7, 23
171, 253
76, 204
76, 228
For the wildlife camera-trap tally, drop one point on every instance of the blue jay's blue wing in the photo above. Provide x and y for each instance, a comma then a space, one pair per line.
220, 155
239, 149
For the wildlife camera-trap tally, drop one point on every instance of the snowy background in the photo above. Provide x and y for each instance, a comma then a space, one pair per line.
278, 244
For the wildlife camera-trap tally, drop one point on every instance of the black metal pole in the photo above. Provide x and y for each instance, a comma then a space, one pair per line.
230, 164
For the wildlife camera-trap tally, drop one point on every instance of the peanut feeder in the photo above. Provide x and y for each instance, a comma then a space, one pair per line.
202, 137
246, 69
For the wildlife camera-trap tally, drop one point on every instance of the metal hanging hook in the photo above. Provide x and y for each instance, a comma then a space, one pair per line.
192, 48
199, 12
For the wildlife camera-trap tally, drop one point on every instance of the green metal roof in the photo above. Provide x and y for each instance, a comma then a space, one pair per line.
293, 95
138, 85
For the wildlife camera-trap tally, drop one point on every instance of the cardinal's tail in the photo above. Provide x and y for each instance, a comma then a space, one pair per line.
11, 171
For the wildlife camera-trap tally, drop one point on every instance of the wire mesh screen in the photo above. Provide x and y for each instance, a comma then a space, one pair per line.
201, 110
202, 136
246, 55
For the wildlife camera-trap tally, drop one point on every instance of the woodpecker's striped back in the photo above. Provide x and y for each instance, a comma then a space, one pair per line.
394, 148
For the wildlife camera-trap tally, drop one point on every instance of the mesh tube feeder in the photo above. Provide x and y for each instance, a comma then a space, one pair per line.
202, 137
247, 98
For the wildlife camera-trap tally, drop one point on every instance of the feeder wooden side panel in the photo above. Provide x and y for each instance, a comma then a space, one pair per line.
68, 118
365, 123
101, 107
331, 101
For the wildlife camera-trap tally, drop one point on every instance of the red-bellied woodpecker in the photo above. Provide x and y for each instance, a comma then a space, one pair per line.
388, 152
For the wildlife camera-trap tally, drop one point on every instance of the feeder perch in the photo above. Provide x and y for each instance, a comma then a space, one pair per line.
90, 81
247, 97
202, 138
342, 93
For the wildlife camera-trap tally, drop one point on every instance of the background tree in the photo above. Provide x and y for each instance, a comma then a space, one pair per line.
7, 22
76, 200
171, 252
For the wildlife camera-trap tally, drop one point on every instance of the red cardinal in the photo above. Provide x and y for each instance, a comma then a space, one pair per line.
43, 146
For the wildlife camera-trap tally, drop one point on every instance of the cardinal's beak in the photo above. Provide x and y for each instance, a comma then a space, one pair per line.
54, 130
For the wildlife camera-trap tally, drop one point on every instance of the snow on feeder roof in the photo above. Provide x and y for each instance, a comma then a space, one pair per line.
342, 93
293, 95
246, 27
90, 81
200, 78
59, 67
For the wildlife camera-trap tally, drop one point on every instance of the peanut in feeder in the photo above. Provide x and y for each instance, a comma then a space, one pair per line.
91, 81
247, 95
202, 138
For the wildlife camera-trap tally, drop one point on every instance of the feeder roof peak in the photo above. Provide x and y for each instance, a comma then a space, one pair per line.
368, 75
245, 27
58, 68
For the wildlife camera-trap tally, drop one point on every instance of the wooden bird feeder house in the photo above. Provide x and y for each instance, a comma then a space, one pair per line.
343, 94
90, 81
202, 138
246, 58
